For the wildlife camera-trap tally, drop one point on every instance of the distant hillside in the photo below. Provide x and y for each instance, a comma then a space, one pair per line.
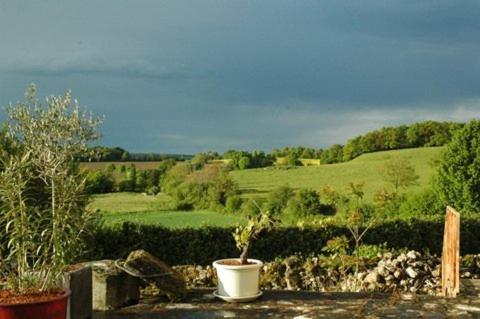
365, 168
118, 154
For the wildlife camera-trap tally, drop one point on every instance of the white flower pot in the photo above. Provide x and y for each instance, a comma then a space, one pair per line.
238, 281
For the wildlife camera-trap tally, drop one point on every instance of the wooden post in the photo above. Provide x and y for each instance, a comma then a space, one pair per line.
451, 254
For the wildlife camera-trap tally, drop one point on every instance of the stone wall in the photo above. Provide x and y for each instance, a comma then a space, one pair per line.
407, 272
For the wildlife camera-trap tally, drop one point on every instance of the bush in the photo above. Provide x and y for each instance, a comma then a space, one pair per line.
233, 204
191, 196
306, 203
202, 246
153, 190
125, 186
292, 160
458, 179
99, 183
250, 207
244, 163
277, 199
208, 188
423, 203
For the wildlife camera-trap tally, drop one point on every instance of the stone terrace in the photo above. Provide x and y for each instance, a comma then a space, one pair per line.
303, 305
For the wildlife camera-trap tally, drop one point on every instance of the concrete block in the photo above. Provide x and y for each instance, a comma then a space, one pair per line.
113, 288
78, 278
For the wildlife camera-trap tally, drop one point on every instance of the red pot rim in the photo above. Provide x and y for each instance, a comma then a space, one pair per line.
65, 294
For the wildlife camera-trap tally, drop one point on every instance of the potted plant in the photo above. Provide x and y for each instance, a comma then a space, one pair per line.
238, 277
43, 213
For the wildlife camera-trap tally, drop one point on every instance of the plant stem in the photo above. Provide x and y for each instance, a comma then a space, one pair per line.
244, 254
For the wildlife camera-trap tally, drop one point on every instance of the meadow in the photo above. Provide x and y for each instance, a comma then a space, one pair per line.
119, 207
364, 169
138, 208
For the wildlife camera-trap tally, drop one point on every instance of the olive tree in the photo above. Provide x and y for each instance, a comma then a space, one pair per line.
42, 202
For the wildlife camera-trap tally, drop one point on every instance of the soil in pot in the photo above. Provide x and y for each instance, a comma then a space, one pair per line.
234, 262
48, 305
10, 298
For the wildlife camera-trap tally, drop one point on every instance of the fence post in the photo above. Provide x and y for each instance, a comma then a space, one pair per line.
451, 254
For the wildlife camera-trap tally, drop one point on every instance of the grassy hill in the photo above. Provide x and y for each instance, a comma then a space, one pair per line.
366, 168
118, 207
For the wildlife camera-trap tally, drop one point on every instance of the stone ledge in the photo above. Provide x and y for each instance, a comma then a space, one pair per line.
303, 305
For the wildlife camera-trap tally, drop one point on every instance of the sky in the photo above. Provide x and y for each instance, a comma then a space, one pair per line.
188, 76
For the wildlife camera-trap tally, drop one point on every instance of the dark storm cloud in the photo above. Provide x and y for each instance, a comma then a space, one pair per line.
184, 76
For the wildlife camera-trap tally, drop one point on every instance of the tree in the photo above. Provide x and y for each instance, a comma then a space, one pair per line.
458, 175
399, 173
292, 160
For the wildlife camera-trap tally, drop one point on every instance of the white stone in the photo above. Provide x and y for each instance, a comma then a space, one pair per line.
467, 308
411, 272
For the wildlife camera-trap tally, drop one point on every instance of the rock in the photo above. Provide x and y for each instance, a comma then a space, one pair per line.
381, 270
402, 258
411, 254
170, 283
361, 275
411, 272
398, 274
371, 278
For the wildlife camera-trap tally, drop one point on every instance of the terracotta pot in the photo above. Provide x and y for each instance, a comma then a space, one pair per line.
55, 308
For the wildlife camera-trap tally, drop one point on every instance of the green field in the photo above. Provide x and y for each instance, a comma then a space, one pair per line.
118, 207
134, 207
366, 168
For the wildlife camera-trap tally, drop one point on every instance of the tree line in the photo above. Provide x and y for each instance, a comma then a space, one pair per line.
118, 154
422, 134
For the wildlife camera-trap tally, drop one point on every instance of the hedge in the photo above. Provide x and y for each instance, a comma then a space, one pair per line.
204, 245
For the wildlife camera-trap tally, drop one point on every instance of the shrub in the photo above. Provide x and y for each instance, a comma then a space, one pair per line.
458, 179
233, 204
208, 188
306, 203
250, 207
125, 186
333, 198
423, 203
292, 160
99, 182
370, 251
244, 162
190, 195
277, 199
153, 190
